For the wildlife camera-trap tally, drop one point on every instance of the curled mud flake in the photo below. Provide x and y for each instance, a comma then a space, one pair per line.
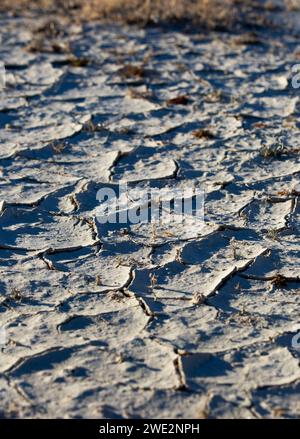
203, 134
179, 100
75, 61
279, 281
248, 39
135, 94
198, 298
130, 71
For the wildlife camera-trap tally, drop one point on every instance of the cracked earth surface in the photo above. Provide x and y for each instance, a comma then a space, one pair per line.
89, 331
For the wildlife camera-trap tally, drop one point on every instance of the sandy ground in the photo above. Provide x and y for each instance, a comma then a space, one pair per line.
148, 321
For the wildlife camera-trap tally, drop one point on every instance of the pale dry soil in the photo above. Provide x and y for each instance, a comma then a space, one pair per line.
148, 321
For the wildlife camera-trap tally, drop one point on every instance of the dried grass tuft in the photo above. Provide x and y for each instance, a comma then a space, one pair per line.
210, 12
149, 11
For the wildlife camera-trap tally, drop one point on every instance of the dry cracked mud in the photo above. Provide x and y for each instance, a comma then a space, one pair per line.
148, 322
